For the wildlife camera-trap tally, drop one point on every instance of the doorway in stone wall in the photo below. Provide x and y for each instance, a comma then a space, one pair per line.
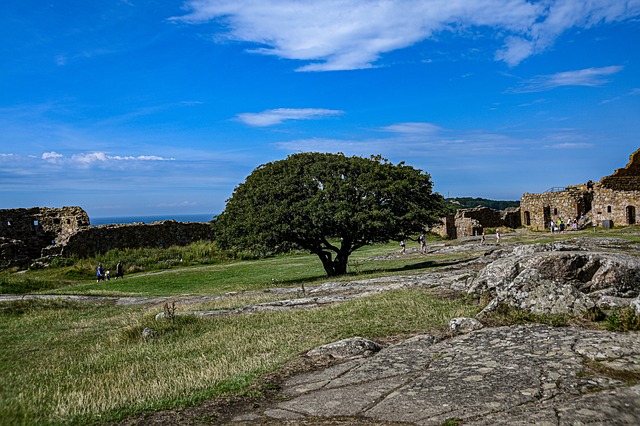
527, 218
546, 213
631, 215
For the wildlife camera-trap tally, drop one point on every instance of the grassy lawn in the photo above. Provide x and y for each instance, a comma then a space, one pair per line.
65, 362
233, 275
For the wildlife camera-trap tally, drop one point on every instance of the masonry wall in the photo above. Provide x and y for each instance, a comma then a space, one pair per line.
100, 239
537, 210
446, 228
622, 207
24, 233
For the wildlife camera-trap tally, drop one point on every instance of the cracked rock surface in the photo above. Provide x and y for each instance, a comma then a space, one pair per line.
531, 374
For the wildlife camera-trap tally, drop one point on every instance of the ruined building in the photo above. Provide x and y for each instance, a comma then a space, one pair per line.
612, 201
25, 232
472, 222
42, 232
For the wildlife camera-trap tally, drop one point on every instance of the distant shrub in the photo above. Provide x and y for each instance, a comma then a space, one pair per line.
24, 286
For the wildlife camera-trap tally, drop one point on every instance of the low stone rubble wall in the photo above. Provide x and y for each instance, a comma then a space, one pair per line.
39, 232
100, 239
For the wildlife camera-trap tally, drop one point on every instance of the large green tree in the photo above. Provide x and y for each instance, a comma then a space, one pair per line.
328, 204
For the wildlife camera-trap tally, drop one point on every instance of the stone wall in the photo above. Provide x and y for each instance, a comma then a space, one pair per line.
488, 218
615, 198
33, 233
471, 222
100, 239
622, 207
446, 228
467, 227
24, 233
537, 210
511, 217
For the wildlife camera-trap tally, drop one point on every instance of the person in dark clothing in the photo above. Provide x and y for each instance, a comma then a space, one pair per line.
119, 271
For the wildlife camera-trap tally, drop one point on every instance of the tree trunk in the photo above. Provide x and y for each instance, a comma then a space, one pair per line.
332, 267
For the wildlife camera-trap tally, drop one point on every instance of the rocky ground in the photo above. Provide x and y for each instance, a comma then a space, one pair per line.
480, 375
521, 374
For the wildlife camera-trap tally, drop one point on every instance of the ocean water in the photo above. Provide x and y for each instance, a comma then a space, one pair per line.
203, 217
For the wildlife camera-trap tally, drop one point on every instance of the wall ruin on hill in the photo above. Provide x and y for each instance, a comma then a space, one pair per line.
25, 232
615, 200
34, 233
100, 239
470, 222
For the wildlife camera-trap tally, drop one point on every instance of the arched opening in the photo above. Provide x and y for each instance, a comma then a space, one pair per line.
608, 209
631, 215
527, 218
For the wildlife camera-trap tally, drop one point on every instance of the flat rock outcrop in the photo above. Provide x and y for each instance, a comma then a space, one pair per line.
531, 374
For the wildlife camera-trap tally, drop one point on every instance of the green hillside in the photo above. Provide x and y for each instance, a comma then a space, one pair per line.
469, 203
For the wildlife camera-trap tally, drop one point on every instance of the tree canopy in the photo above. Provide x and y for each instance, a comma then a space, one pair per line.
328, 204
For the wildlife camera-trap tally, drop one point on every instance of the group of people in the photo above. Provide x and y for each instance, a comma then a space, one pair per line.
102, 275
422, 239
559, 227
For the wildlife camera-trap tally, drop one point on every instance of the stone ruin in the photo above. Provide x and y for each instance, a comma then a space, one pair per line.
24, 233
27, 235
471, 222
614, 200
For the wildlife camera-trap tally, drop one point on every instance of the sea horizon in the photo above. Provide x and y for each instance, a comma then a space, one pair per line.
123, 220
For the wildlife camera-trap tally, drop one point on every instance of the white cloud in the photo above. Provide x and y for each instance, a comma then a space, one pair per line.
277, 116
589, 77
86, 159
418, 128
353, 34
52, 157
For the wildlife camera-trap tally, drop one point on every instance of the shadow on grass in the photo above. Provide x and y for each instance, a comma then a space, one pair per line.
421, 265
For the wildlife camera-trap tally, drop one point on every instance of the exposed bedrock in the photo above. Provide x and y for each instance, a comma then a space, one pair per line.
559, 279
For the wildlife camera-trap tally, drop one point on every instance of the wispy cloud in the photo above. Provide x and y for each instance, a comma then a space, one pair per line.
414, 139
634, 92
416, 128
87, 159
353, 34
276, 116
178, 204
429, 141
589, 77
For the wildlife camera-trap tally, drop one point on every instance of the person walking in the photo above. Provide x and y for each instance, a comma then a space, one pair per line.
119, 271
100, 273
497, 235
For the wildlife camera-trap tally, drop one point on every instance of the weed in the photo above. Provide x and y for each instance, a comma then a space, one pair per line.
507, 315
170, 311
623, 320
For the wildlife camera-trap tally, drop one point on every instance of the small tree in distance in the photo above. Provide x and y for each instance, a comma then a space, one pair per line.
328, 204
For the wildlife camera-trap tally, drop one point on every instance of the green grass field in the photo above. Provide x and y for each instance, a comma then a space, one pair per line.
64, 362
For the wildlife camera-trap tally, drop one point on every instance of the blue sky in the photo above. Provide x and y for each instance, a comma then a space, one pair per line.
131, 107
